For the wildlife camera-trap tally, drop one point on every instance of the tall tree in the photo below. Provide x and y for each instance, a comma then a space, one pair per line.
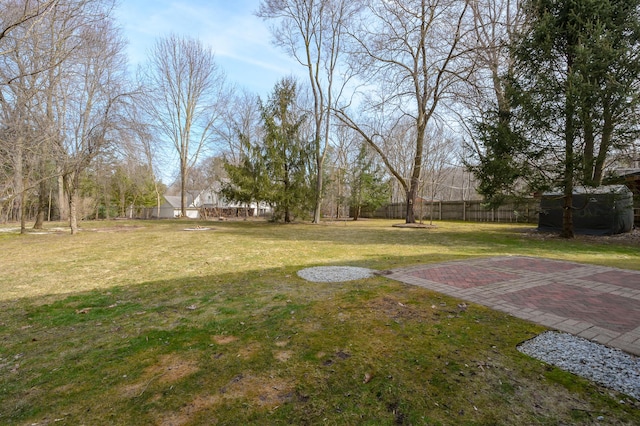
94, 98
187, 92
276, 169
312, 31
286, 155
57, 65
575, 90
25, 55
410, 54
442, 155
485, 112
139, 144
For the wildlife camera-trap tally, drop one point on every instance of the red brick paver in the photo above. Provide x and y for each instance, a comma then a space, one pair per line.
463, 276
595, 302
539, 265
610, 311
619, 278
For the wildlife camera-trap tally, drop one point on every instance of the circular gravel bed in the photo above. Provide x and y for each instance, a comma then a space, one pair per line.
334, 274
609, 367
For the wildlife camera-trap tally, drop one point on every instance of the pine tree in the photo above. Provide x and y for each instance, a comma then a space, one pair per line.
369, 189
286, 156
248, 179
574, 92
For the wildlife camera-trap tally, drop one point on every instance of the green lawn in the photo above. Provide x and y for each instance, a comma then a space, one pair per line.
148, 323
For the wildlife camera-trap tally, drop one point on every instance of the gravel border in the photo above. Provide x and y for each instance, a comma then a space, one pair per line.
611, 368
335, 274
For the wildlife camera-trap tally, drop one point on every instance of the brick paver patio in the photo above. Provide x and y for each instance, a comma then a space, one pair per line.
595, 302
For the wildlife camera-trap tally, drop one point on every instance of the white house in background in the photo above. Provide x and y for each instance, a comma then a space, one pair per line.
209, 203
171, 207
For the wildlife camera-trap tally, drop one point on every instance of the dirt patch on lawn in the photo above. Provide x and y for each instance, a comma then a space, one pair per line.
169, 369
199, 228
628, 238
414, 225
223, 339
396, 310
283, 356
123, 228
249, 350
266, 392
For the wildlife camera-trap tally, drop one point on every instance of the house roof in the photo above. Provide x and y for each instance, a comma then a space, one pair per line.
175, 201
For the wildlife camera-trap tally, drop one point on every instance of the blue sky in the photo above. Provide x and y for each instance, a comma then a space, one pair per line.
241, 41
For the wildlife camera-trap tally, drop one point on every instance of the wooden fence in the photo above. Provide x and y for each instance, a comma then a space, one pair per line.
471, 211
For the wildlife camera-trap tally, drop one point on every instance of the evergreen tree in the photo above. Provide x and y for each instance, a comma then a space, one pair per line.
247, 180
286, 155
573, 92
369, 188
278, 170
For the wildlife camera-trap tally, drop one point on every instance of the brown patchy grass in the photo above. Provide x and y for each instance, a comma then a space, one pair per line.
170, 368
146, 323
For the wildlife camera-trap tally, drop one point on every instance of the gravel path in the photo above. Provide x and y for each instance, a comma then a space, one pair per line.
609, 367
334, 274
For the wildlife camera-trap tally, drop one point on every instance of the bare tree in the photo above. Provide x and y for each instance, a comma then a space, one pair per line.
138, 143
187, 92
440, 155
410, 54
94, 95
241, 121
38, 42
495, 24
312, 31
17, 20
20, 63
343, 152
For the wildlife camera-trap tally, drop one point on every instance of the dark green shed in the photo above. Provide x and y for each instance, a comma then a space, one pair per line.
606, 210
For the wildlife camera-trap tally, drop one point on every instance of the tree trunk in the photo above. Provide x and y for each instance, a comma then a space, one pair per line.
318, 204
411, 196
23, 214
73, 212
42, 204
62, 199
569, 137
414, 184
158, 202
589, 149
605, 144
70, 184
183, 191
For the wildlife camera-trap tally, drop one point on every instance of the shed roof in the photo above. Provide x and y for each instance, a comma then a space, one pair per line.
627, 172
605, 189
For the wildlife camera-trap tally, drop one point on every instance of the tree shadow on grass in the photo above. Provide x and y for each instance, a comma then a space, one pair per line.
265, 346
